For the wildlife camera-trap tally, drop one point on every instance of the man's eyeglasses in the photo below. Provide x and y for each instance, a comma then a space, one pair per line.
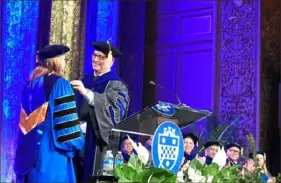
98, 57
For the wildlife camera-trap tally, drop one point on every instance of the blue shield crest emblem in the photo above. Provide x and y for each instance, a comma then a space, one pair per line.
168, 147
164, 108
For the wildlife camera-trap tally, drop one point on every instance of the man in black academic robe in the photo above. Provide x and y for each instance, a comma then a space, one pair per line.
105, 104
211, 149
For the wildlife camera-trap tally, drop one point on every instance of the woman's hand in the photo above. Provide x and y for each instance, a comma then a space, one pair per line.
250, 165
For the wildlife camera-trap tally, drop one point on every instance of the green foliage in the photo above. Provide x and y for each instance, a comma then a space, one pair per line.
278, 178
252, 143
210, 170
250, 177
230, 174
196, 165
135, 171
217, 132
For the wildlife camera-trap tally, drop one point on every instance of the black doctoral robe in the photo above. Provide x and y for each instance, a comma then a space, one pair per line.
111, 101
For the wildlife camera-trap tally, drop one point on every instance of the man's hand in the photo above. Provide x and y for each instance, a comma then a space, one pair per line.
202, 160
78, 85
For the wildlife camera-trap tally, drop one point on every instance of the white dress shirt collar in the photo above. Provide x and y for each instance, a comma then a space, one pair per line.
102, 73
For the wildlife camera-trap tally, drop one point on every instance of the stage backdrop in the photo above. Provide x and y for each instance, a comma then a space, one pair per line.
206, 52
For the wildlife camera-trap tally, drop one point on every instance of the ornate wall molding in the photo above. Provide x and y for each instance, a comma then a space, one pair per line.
239, 63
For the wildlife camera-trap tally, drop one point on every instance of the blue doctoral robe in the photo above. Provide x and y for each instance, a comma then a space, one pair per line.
208, 160
264, 177
126, 156
110, 107
192, 155
49, 132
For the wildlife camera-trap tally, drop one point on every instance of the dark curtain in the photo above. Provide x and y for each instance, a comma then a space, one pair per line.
272, 145
44, 23
132, 19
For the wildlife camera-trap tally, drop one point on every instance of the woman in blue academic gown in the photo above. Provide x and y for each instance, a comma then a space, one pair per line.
190, 149
260, 159
50, 131
190, 146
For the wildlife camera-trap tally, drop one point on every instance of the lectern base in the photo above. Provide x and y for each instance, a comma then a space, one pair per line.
103, 178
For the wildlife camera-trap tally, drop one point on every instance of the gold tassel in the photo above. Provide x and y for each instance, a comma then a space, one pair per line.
110, 57
264, 157
241, 150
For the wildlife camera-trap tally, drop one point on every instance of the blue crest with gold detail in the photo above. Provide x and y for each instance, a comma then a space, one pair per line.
168, 147
164, 108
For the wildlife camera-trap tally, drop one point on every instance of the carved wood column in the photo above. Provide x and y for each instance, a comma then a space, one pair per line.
238, 66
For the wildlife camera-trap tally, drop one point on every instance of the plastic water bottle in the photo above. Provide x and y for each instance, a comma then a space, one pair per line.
118, 159
108, 162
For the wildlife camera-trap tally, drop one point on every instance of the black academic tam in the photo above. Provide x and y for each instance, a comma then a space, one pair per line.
211, 143
52, 51
105, 47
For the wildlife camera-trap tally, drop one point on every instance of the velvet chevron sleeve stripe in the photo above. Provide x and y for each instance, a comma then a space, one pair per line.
124, 98
65, 112
67, 124
67, 133
66, 118
119, 109
112, 115
68, 137
64, 99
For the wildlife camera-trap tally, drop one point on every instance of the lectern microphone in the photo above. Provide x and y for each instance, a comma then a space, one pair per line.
155, 84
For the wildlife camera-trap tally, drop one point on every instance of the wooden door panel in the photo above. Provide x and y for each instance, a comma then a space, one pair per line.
182, 36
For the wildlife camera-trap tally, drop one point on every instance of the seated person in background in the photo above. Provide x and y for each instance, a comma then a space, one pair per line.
147, 145
260, 163
211, 149
190, 149
233, 151
190, 146
127, 148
